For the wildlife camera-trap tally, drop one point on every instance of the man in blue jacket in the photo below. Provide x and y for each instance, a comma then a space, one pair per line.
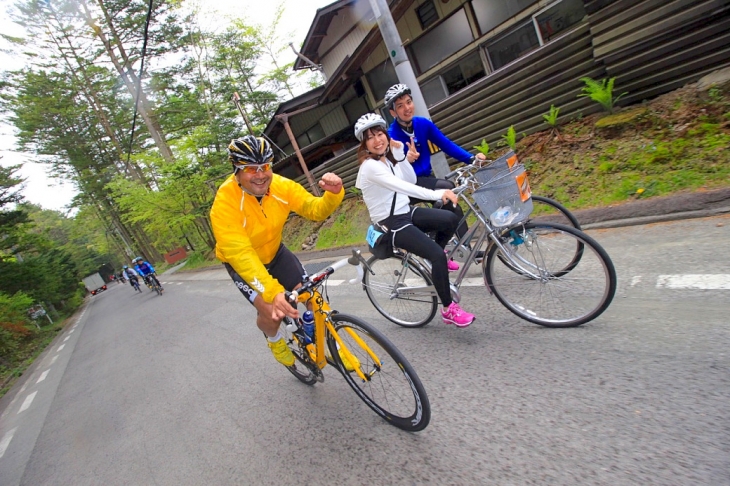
147, 271
423, 138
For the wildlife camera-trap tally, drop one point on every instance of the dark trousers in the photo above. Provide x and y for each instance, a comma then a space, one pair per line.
431, 182
414, 239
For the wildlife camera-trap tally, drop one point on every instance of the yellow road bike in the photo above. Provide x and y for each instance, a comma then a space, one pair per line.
373, 367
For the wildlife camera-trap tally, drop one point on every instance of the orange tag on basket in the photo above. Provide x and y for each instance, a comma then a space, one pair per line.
512, 161
523, 186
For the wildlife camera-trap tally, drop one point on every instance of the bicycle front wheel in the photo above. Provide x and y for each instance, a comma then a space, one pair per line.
391, 388
539, 279
387, 290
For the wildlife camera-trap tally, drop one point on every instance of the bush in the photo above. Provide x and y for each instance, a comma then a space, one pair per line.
14, 321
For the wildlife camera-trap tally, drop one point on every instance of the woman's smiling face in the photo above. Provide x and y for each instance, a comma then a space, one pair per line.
376, 141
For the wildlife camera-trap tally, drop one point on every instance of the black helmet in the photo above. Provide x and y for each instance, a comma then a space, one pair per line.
250, 150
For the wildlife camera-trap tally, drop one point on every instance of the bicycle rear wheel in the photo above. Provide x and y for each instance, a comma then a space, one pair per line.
303, 368
546, 210
408, 310
392, 389
543, 291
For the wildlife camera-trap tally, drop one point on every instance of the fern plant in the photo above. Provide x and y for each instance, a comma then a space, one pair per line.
510, 138
601, 92
551, 118
483, 147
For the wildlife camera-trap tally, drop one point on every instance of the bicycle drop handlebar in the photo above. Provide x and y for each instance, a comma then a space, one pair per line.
313, 281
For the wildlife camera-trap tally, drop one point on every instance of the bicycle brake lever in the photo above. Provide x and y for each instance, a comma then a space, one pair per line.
291, 296
357, 256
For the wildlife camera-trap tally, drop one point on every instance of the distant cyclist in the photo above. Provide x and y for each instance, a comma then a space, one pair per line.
248, 216
419, 135
147, 271
131, 276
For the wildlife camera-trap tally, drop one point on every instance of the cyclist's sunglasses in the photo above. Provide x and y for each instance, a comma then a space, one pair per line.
254, 169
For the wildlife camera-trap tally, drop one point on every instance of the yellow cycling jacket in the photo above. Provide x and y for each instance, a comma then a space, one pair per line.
248, 233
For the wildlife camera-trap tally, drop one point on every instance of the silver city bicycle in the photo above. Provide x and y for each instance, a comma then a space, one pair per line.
547, 273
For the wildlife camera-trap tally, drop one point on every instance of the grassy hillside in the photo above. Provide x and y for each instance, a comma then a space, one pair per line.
677, 142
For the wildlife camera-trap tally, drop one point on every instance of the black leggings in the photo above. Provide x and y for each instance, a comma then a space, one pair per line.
414, 239
430, 182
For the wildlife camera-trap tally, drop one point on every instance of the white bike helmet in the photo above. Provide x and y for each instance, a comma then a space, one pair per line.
395, 92
368, 120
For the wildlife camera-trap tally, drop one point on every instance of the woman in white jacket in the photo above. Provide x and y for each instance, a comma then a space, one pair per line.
381, 178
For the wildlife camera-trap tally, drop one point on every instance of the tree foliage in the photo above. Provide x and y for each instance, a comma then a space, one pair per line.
73, 105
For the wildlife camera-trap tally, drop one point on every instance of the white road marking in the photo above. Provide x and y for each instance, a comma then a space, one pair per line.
178, 283
6, 441
66, 339
53, 360
60, 348
635, 280
43, 376
701, 282
26, 403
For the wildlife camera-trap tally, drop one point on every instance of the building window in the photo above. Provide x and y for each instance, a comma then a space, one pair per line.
540, 28
463, 74
558, 17
314, 134
453, 79
381, 78
513, 45
491, 13
355, 108
433, 90
427, 14
442, 41
385, 113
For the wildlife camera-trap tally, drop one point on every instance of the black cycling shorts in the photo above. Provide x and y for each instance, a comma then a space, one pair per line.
285, 267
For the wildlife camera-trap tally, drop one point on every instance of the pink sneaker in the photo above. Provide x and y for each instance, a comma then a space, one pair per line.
451, 264
457, 316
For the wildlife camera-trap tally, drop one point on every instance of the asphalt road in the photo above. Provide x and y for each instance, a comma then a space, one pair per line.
181, 389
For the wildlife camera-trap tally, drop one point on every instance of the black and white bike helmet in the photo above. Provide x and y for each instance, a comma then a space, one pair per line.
395, 92
250, 150
368, 120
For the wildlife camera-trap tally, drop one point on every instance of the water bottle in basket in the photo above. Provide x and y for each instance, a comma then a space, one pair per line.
502, 216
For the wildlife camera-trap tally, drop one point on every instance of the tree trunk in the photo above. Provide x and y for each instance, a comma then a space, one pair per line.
131, 81
87, 89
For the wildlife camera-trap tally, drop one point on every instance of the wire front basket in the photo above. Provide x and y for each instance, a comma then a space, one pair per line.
504, 164
506, 197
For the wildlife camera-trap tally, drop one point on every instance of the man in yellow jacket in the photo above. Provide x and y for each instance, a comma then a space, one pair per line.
248, 216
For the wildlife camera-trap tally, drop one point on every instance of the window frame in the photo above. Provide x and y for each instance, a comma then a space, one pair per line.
424, 27
484, 46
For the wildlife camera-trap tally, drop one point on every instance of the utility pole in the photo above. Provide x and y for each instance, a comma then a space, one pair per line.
284, 119
404, 71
